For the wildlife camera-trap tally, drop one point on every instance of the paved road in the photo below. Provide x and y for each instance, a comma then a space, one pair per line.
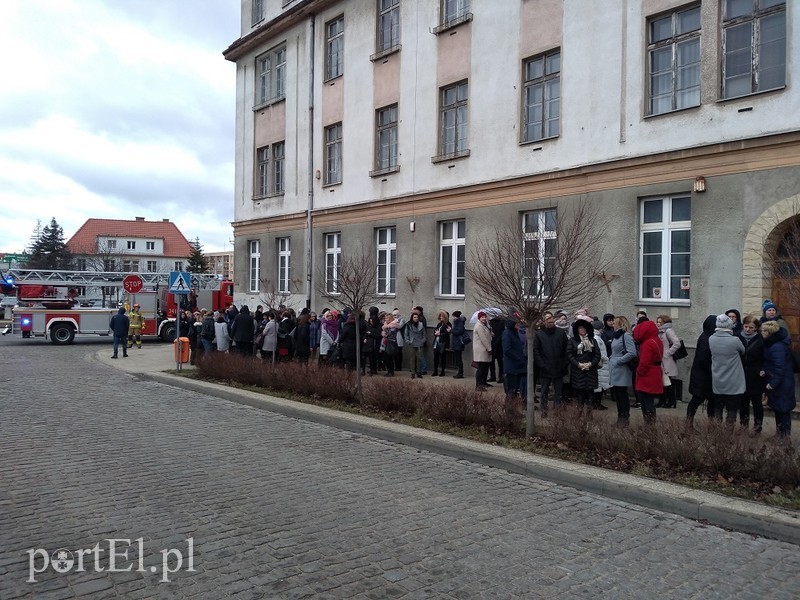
280, 508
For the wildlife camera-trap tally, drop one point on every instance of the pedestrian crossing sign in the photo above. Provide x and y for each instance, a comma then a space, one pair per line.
179, 282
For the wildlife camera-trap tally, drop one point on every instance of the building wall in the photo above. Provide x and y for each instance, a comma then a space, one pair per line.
608, 150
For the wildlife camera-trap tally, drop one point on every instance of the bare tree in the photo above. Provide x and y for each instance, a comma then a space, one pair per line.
272, 297
351, 284
548, 259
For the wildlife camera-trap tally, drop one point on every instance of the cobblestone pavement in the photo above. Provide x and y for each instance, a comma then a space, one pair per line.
280, 508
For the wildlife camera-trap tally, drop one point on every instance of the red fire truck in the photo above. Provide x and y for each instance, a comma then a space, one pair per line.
62, 304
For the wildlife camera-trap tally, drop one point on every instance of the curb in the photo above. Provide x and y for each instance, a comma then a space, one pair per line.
716, 509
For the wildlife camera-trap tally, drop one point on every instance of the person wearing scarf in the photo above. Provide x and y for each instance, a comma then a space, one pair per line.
329, 333
753, 362
584, 359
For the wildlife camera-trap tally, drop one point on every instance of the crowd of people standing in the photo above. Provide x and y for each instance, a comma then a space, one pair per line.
739, 363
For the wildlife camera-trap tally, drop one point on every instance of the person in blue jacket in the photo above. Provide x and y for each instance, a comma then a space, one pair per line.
779, 375
514, 367
119, 325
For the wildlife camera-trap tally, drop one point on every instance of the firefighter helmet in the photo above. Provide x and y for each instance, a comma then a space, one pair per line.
136, 305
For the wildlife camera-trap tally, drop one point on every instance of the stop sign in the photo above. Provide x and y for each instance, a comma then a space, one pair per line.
132, 284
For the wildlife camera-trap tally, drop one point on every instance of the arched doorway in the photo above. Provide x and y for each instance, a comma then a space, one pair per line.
782, 251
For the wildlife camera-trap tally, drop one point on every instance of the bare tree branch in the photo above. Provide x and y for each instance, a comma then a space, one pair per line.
560, 262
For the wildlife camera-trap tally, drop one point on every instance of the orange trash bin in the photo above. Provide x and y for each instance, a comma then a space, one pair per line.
181, 350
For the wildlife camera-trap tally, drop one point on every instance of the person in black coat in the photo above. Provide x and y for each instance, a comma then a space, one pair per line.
497, 325
286, 336
607, 332
349, 342
457, 338
700, 386
584, 361
372, 341
736, 317
119, 327
243, 331
302, 337
550, 359
753, 362
779, 375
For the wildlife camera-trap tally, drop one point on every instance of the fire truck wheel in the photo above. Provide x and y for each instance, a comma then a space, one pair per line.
168, 333
62, 334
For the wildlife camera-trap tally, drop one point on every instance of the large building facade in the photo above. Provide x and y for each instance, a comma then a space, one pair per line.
414, 127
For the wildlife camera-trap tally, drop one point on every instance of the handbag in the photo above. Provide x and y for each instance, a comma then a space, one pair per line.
465, 339
259, 339
632, 364
680, 352
474, 364
665, 378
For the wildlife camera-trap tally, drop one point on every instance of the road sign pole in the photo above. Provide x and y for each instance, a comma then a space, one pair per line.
178, 366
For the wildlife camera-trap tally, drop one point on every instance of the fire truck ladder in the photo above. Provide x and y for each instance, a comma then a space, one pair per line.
200, 281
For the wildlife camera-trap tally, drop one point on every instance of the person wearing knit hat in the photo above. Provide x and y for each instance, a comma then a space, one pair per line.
770, 313
727, 372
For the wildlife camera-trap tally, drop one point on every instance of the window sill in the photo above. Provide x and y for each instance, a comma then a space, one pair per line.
386, 171
452, 24
452, 156
751, 94
257, 22
671, 112
660, 302
268, 103
539, 141
331, 184
384, 53
332, 80
268, 196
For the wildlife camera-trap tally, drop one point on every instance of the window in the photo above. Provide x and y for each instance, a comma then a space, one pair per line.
539, 247
386, 244
453, 134
109, 265
271, 74
278, 150
333, 257
333, 154
81, 264
255, 265
666, 229
453, 10
334, 49
178, 265
386, 138
674, 61
112, 243
388, 25
131, 245
754, 46
258, 11
542, 97
151, 245
451, 253
130, 266
152, 266
269, 177
284, 264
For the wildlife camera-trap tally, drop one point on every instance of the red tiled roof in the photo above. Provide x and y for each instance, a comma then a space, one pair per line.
85, 239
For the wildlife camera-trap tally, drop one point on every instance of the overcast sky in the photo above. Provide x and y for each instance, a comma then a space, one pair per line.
117, 109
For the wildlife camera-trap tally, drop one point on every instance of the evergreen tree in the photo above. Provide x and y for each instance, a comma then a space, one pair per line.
49, 250
198, 263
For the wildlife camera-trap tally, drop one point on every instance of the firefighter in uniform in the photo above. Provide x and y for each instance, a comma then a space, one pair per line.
137, 324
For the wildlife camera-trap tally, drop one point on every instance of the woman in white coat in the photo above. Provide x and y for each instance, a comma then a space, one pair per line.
671, 343
270, 340
602, 371
482, 350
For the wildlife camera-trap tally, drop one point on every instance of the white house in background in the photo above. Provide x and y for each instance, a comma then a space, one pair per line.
416, 126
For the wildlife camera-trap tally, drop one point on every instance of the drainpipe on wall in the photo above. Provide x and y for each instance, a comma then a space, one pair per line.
309, 222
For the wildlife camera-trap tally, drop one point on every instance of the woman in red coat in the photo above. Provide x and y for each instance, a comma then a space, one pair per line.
649, 374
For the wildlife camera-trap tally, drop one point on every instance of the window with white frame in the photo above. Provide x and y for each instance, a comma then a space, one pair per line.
754, 46
386, 259
452, 10
257, 12
388, 25
673, 52
271, 74
152, 266
151, 245
269, 170
333, 154
539, 248
452, 248
178, 265
334, 48
131, 245
454, 119
112, 244
666, 250
333, 258
255, 265
80, 263
541, 103
284, 264
130, 266
386, 138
